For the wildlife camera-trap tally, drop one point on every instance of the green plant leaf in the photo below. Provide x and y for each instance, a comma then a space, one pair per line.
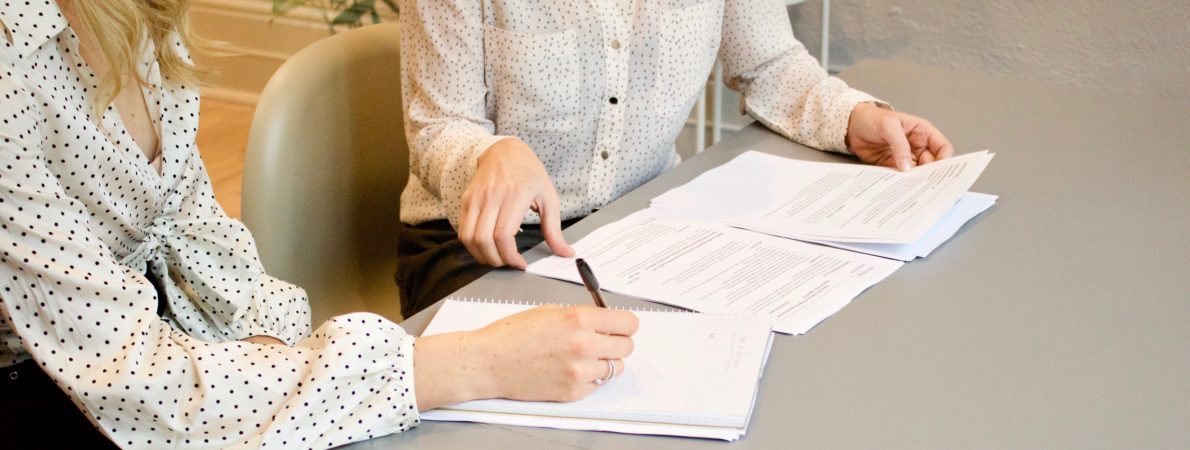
352, 14
392, 5
280, 7
346, 12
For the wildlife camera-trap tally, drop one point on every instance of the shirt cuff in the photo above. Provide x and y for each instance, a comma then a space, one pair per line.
404, 373
278, 310
450, 194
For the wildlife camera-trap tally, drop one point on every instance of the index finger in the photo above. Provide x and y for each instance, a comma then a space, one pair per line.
548, 208
611, 321
893, 133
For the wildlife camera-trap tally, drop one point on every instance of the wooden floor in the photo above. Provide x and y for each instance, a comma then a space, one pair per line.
223, 141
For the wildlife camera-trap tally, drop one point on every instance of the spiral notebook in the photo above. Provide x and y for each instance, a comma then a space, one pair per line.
690, 374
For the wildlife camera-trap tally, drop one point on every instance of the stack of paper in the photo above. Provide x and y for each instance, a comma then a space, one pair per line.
693, 249
715, 268
690, 375
971, 204
905, 213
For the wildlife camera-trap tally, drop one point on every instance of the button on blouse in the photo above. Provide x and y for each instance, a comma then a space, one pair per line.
598, 89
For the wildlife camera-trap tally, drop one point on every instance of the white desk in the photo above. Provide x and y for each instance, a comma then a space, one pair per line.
1058, 319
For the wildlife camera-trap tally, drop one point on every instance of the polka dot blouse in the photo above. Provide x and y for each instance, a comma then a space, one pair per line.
85, 217
598, 89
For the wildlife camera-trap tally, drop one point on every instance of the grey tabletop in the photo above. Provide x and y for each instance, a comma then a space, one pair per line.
1060, 318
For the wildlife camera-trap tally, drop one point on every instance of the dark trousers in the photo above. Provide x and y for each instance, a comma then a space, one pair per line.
35, 414
432, 263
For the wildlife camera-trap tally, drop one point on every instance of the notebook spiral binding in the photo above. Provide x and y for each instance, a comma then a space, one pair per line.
528, 303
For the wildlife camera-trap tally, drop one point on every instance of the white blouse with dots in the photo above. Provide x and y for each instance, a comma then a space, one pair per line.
598, 89
85, 216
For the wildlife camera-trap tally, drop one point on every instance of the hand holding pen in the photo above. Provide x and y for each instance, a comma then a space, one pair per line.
590, 282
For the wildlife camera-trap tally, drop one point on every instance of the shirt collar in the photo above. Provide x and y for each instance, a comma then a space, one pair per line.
31, 23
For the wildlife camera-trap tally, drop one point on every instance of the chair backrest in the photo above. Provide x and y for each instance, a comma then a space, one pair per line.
327, 160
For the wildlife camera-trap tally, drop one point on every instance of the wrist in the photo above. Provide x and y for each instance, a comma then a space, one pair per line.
451, 368
480, 355
861, 109
499, 149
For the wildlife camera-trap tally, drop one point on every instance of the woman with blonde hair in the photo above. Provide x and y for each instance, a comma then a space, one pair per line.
133, 310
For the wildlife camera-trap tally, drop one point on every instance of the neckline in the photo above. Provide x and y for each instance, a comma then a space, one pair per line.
110, 121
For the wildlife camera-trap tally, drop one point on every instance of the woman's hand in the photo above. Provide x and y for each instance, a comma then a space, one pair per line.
888, 138
509, 181
548, 353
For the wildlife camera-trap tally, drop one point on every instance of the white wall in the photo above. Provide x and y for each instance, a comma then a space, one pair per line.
1130, 46
1139, 47
1134, 47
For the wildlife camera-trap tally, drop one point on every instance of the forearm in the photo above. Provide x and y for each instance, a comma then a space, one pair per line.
444, 94
815, 113
784, 87
548, 353
451, 368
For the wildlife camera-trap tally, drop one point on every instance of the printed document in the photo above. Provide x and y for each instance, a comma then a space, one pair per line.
826, 201
715, 268
971, 204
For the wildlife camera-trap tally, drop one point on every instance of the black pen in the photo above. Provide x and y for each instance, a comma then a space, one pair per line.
592, 285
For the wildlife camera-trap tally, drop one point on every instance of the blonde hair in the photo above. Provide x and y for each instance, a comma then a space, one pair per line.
122, 27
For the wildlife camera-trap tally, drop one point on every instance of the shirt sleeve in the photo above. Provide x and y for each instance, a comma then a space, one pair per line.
442, 79
91, 324
273, 307
783, 86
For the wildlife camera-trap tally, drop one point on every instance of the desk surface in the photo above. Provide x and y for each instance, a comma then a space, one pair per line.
1059, 318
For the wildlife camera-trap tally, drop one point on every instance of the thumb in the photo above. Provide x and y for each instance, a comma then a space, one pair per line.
894, 135
549, 208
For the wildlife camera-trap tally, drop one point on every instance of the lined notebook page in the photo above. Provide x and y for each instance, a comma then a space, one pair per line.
686, 369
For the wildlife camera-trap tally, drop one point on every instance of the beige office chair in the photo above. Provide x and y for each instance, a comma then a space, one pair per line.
326, 164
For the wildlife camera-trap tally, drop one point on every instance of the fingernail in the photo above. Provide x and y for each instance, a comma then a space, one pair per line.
904, 165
